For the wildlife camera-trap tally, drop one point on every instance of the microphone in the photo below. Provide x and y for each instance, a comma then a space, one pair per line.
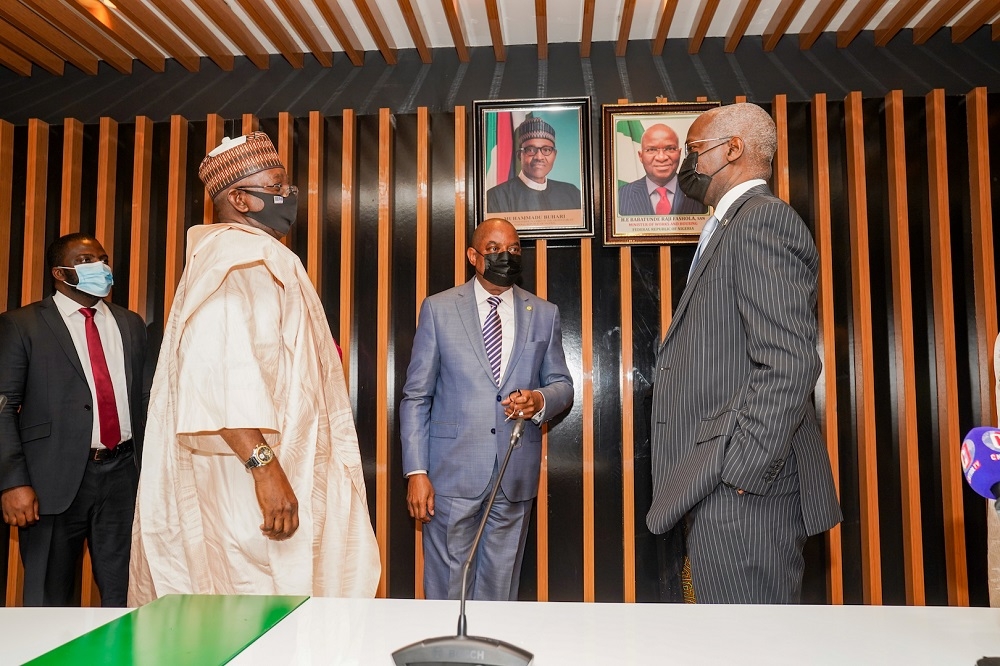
981, 461
462, 648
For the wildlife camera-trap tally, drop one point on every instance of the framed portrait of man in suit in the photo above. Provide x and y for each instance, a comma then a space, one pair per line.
643, 152
533, 165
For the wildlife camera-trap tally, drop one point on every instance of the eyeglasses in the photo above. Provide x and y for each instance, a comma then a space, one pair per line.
531, 151
493, 248
666, 150
687, 146
284, 191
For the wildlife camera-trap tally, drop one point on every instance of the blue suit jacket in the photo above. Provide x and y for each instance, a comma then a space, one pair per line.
633, 199
451, 420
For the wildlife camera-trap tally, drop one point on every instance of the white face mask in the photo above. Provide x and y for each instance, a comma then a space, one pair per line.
94, 278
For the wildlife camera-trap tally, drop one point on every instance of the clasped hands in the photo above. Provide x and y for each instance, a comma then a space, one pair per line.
523, 404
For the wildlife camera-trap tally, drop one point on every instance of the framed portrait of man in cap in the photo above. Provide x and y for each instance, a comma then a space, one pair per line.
533, 165
644, 197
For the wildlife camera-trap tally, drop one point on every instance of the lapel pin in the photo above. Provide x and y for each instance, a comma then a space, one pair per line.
528, 308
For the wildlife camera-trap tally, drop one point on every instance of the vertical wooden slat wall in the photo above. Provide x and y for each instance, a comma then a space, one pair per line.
830, 147
946, 355
826, 390
864, 360
905, 357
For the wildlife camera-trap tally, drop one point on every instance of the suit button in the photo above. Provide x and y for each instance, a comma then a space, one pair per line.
499, 397
87, 407
493, 431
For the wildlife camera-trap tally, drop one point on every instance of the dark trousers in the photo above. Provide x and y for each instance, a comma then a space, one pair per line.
101, 514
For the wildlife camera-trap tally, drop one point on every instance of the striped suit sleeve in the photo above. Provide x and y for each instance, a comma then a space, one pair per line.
775, 275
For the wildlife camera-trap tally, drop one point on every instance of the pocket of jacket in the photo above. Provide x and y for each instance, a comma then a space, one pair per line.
722, 425
29, 433
444, 429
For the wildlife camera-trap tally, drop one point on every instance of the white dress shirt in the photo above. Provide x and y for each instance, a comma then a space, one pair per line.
506, 311
114, 352
654, 196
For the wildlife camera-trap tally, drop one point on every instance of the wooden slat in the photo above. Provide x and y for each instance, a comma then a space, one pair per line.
250, 123
864, 361
460, 194
137, 12
176, 210
936, 18
984, 268
897, 19
905, 357
15, 62
454, 18
779, 176
542, 29
587, 390
142, 180
377, 29
315, 203
624, 27
826, 388
304, 25
214, 132
415, 26
274, 29
706, 13
995, 30
104, 19
383, 313
780, 20
80, 30
72, 176
666, 291
422, 283
6, 203
973, 20
627, 387
542, 501
233, 27
42, 32
196, 31
663, 25
29, 49
860, 16
342, 31
818, 22
945, 348
348, 158
587, 31
33, 271
107, 178
286, 147
15, 571
741, 21
496, 30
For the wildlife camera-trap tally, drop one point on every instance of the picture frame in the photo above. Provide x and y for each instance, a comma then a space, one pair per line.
643, 204
543, 196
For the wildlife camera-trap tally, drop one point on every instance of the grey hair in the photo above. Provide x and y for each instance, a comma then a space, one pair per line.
752, 124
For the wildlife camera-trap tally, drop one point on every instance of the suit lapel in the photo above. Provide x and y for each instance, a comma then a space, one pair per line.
53, 319
468, 312
707, 254
522, 320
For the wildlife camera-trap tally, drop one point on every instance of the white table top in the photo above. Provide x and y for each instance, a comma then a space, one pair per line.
26, 633
366, 632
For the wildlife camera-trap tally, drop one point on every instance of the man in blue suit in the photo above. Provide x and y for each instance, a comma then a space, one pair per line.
485, 354
657, 193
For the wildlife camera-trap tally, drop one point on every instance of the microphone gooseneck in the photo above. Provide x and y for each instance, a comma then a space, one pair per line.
515, 437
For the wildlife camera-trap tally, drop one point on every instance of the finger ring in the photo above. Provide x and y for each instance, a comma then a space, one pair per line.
521, 413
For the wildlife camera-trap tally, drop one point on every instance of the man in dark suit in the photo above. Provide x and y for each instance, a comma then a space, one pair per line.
71, 367
657, 192
532, 189
737, 457
485, 354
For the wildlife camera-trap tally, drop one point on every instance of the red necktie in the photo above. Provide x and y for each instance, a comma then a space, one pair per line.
111, 431
663, 205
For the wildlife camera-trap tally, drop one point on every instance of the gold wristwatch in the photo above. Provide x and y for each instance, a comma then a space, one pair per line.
261, 456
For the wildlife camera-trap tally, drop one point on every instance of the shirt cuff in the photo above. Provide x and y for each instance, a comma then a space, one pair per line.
416, 471
539, 416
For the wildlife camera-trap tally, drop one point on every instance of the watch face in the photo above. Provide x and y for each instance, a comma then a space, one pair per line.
264, 454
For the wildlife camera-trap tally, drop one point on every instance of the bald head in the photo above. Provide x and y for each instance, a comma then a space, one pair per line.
489, 227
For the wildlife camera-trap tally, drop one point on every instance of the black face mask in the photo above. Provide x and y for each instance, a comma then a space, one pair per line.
278, 212
502, 268
694, 185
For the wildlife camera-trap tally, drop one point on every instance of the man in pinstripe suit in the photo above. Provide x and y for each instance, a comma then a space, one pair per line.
738, 460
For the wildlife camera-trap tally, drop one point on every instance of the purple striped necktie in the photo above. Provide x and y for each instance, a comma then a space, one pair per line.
493, 337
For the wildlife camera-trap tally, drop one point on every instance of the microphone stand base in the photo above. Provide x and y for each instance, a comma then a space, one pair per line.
464, 650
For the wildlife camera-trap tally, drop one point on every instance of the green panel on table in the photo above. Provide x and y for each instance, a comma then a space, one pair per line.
177, 629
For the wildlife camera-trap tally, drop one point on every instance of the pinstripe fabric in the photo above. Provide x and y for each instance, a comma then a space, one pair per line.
732, 401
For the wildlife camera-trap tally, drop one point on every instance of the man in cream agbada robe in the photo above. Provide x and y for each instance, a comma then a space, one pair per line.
252, 480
